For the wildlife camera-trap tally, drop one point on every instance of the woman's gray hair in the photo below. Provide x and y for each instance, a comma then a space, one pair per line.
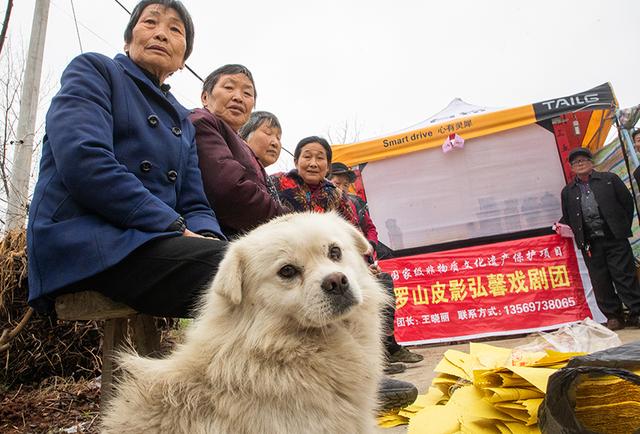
256, 120
173, 4
230, 69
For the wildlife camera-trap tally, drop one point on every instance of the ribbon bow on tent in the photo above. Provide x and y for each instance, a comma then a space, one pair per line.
453, 141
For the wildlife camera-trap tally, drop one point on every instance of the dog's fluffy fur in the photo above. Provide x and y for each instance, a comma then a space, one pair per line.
270, 350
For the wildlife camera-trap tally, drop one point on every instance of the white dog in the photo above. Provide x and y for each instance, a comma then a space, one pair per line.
287, 340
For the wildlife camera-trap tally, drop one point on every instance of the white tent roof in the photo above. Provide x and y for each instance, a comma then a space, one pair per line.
457, 108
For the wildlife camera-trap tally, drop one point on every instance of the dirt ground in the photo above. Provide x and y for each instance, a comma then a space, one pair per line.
52, 407
64, 406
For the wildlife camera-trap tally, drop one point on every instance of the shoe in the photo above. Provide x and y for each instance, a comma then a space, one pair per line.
393, 394
394, 368
614, 324
405, 356
633, 321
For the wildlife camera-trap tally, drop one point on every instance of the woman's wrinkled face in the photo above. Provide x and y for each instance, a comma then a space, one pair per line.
265, 143
231, 99
312, 164
158, 42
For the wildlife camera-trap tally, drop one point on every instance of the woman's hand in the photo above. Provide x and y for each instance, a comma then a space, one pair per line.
188, 233
375, 268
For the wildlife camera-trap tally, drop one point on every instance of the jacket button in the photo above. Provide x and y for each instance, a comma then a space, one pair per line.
172, 176
153, 120
145, 166
176, 131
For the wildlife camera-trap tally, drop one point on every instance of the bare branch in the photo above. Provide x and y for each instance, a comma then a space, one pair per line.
8, 335
12, 68
344, 133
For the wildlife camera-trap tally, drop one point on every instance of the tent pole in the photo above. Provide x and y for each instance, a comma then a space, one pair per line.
625, 154
633, 156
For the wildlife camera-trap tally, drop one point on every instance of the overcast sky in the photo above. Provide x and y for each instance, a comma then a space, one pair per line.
379, 66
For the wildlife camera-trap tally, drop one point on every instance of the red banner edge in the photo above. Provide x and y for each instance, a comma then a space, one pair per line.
492, 334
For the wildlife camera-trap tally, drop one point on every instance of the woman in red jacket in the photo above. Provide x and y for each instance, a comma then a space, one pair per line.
234, 180
306, 187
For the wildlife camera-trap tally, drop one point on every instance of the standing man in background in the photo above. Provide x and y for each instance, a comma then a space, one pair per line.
599, 209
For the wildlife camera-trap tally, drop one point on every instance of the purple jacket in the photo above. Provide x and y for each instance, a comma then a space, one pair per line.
234, 180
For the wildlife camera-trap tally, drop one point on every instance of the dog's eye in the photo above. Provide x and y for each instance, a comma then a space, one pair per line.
288, 271
335, 253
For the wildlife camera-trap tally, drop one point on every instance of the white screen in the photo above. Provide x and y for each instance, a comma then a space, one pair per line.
500, 183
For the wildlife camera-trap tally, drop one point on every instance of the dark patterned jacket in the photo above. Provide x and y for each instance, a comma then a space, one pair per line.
296, 196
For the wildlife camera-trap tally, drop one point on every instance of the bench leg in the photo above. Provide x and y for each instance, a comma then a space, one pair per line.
146, 339
115, 331
146, 335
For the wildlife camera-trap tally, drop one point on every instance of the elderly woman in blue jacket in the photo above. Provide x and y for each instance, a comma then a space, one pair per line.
119, 205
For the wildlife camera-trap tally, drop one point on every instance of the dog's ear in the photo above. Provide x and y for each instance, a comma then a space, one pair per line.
228, 280
361, 243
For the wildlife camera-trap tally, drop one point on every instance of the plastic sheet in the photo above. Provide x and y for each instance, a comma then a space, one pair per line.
586, 336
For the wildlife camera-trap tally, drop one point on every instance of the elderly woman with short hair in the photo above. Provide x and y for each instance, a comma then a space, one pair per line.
306, 187
119, 205
263, 132
234, 179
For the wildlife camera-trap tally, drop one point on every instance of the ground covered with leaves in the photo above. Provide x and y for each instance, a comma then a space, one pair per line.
56, 405
49, 369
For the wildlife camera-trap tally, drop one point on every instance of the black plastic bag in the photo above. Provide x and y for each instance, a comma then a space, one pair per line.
557, 412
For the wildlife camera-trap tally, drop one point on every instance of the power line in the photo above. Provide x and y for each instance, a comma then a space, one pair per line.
185, 65
193, 72
85, 27
75, 20
123, 7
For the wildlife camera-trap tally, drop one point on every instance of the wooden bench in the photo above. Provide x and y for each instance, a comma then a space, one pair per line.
119, 320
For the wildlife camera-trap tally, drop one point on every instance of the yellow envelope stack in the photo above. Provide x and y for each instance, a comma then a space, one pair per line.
481, 392
431, 398
608, 404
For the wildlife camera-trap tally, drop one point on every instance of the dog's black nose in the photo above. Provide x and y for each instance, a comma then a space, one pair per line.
335, 283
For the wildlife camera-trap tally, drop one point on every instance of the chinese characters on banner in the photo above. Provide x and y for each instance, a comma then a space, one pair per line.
494, 289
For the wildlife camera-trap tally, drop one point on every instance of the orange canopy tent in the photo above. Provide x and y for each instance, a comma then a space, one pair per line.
506, 179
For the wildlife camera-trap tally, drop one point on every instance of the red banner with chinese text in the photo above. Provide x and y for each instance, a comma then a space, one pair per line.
495, 289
